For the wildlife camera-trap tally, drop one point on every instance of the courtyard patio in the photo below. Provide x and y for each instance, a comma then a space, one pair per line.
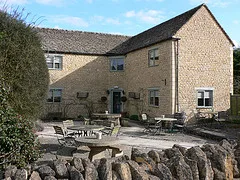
134, 136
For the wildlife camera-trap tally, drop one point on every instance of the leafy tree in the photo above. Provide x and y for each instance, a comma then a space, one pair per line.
23, 88
236, 61
22, 64
17, 140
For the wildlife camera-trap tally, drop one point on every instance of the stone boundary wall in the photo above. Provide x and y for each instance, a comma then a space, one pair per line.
211, 161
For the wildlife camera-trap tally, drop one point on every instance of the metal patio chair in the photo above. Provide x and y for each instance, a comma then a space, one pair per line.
150, 124
68, 123
180, 123
111, 131
63, 138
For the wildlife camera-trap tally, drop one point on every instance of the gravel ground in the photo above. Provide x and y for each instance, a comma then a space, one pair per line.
129, 137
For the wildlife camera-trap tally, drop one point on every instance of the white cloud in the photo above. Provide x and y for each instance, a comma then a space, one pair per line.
151, 0
71, 20
57, 27
215, 3
51, 2
89, 1
105, 20
113, 21
13, 2
150, 16
116, 33
237, 22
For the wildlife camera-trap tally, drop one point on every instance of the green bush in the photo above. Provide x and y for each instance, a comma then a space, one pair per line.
134, 117
23, 64
17, 139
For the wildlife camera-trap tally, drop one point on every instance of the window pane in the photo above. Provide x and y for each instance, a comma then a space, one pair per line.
50, 96
156, 54
151, 63
208, 102
58, 59
151, 100
120, 67
120, 63
50, 65
207, 94
151, 54
151, 93
57, 66
57, 92
200, 102
50, 99
57, 99
49, 61
200, 94
113, 64
156, 101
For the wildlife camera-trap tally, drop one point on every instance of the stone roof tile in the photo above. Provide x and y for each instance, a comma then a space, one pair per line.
161, 32
79, 42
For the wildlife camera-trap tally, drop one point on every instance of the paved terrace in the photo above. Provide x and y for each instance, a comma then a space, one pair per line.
134, 137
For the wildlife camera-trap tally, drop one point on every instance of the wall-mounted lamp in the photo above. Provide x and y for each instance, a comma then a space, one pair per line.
165, 81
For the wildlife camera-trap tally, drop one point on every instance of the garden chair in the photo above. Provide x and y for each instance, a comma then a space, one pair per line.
180, 123
221, 118
111, 131
150, 125
63, 138
68, 123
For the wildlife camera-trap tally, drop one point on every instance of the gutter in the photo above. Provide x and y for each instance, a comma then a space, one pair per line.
176, 53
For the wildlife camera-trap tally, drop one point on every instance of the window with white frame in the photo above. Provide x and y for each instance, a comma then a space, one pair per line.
153, 57
54, 61
154, 97
54, 95
204, 98
117, 63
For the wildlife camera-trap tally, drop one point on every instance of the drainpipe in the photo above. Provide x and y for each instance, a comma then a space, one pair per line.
176, 48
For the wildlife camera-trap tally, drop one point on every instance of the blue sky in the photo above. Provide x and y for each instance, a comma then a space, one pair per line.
126, 17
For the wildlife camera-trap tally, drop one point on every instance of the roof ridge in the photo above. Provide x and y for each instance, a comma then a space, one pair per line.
175, 17
87, 32
162, 31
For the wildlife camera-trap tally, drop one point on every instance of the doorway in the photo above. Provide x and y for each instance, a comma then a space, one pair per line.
116, 102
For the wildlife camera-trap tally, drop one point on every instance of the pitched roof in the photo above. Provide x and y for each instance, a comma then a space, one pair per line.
161, 32
78, 42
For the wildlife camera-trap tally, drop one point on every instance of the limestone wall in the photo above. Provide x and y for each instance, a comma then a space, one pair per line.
205, 60
219, 161
80, 73
140, 77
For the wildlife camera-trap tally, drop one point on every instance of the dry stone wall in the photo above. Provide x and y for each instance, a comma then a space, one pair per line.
211, 161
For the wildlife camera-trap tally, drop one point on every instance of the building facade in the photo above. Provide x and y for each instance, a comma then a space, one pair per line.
183, 64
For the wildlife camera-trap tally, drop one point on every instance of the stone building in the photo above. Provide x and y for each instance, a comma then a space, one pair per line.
182, 64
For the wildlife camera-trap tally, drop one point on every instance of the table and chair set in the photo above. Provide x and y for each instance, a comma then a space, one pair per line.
210, 117
97, 137
158, 125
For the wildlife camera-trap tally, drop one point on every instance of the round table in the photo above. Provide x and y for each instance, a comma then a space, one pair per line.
97, 146
85, 128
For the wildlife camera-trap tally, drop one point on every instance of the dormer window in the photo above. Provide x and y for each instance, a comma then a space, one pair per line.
116, 63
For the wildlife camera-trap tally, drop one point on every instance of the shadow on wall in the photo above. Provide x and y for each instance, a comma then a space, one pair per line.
93, 77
